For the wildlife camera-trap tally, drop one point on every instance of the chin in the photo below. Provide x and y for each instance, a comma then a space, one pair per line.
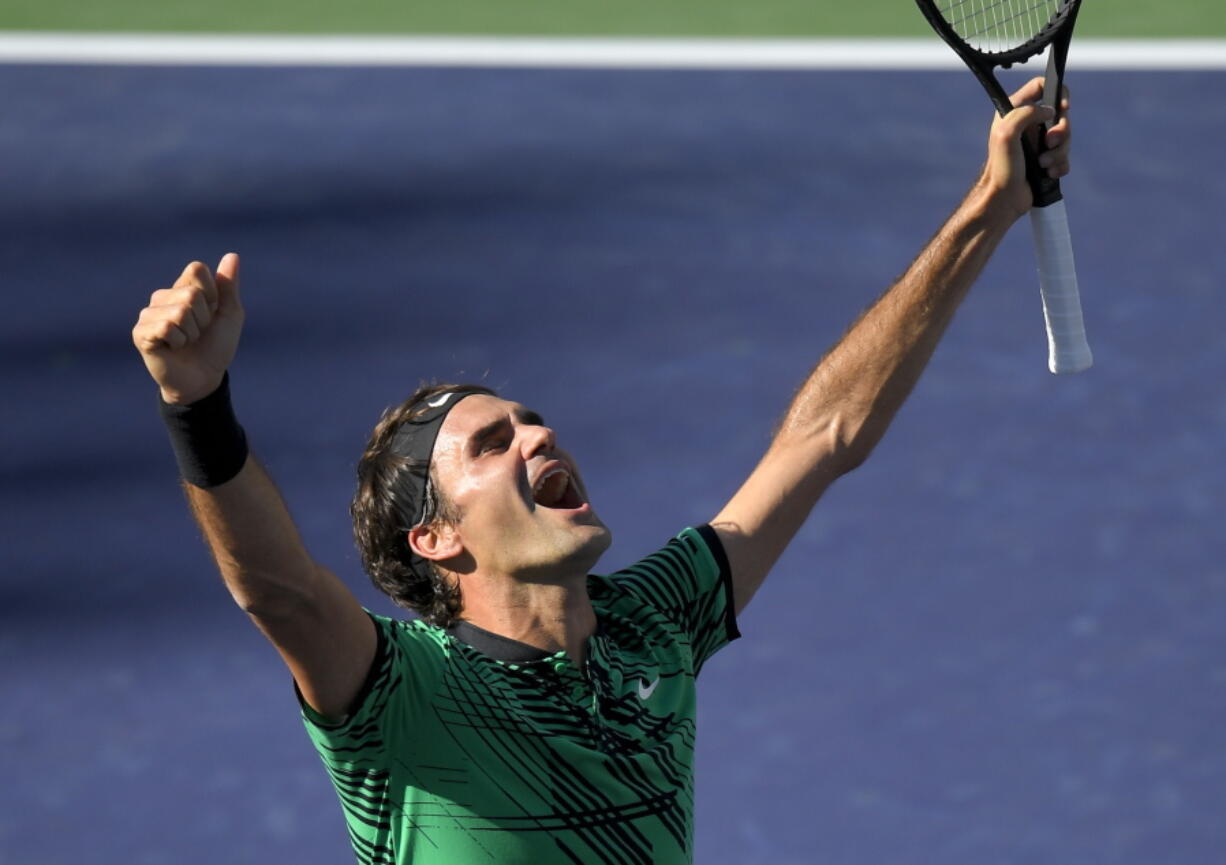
576, 553
602, 541
597, 539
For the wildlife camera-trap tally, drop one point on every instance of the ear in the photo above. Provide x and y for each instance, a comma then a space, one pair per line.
436, 542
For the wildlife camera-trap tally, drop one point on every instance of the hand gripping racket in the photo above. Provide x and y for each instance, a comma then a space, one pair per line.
992, 34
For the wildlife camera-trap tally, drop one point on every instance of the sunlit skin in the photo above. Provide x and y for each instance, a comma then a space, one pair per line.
522, 567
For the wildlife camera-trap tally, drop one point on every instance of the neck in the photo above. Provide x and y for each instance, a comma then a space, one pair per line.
550, 616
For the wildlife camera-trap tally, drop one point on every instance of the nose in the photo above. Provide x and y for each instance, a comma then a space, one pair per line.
537, 439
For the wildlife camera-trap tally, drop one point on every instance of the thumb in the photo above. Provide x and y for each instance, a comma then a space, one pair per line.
227, 282
1017, 121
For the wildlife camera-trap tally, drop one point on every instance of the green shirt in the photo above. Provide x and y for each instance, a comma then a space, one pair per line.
465, 747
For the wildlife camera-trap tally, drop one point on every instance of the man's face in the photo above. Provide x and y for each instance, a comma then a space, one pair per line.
524, 509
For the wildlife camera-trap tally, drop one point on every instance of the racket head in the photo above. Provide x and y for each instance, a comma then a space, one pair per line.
991, 34
999, 33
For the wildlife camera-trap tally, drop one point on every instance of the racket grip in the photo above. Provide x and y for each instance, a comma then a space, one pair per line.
1068, 350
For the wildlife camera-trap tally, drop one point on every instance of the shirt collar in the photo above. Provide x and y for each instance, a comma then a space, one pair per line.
496, 646
502, 648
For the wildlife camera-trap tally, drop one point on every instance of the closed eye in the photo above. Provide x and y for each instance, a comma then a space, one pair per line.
498, 435
492, 445
492, 437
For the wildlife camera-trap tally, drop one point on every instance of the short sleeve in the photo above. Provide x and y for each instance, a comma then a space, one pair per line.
392, 693
688, 582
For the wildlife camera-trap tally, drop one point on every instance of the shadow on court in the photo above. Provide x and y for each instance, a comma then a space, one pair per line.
1000, 641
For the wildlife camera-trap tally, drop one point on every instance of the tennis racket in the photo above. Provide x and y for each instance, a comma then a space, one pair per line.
995, 34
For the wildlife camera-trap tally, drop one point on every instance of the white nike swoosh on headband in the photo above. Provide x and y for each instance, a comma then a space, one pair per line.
440, 400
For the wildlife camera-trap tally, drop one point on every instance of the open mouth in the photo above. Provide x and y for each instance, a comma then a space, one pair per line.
556, 490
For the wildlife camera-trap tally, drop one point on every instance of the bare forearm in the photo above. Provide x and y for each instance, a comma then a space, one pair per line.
187, 337
844, 407
852, 395
252, 537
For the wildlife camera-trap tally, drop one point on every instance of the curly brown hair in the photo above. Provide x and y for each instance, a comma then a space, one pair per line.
382, 516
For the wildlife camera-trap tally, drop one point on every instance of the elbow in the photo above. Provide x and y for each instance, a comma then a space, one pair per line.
847, 445
854, 439
844, 460
851, 459
262, 605
827, 450
267, 598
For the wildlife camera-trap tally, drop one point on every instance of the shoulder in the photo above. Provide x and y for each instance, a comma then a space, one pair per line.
681, 593
693, 551
407, 665
688, 565
409, 639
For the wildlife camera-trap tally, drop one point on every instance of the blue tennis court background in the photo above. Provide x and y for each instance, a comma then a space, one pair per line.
1000, 641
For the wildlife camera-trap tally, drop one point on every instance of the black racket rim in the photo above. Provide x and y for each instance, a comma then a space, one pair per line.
1001, 59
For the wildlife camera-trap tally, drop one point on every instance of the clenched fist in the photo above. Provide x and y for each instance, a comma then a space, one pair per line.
188, 333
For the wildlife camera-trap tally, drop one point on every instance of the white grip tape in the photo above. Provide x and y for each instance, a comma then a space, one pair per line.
1066, 332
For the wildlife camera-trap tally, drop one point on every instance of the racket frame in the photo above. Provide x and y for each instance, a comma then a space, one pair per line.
1055, 35
1068, 350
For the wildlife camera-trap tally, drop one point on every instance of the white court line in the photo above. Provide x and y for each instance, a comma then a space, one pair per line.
244, 50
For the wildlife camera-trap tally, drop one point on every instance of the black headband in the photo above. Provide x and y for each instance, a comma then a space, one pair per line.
415, 440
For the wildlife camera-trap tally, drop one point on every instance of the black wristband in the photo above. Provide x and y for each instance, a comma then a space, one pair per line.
209, 445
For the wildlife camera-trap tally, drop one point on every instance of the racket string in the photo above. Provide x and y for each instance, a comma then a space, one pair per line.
998, 25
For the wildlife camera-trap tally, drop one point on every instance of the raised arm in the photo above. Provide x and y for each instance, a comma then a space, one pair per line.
844, 407
187, 336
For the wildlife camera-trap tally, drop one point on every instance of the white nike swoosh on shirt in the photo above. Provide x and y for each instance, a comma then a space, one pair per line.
646, 690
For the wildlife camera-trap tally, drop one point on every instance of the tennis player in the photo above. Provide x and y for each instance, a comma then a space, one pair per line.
533, 712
